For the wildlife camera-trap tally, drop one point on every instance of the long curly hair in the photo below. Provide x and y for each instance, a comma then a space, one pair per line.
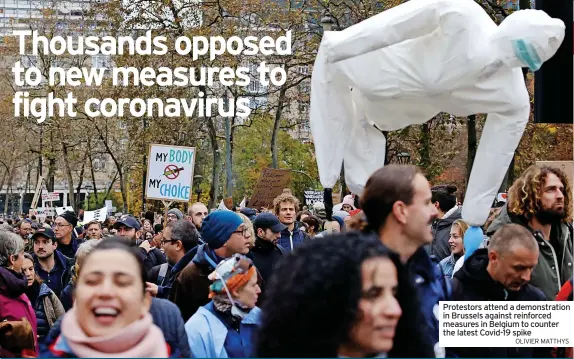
524, 195
311, 302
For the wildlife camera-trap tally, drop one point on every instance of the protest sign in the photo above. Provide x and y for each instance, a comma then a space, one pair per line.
97, 215
312, 196
50, 197
60, 210
270, 184
170, 173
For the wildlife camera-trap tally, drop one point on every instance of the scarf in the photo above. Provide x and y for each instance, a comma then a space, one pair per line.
139, 339
223, 305
12, 284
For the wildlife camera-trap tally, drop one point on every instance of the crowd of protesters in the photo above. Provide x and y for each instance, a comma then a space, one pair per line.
359, 279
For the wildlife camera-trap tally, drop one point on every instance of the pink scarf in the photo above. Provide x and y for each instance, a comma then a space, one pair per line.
140, 339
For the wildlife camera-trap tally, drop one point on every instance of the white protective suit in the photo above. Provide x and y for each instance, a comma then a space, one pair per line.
407, 64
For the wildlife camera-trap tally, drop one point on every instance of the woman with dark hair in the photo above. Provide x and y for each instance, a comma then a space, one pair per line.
45, 302
344, 296
111, 313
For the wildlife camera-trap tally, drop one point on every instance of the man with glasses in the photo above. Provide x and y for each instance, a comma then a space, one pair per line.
174, 214
63, 228
179, 240
224, 234
25, 230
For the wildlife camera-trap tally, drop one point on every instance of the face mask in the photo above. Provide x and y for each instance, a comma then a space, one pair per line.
527, 54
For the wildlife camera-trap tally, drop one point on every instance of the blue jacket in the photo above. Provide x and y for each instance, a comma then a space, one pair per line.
206, 333
46, 306
165, 315
60, 275
290, 240
446, 265
66, 297
431, 287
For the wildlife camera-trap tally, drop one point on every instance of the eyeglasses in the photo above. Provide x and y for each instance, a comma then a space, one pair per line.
243, 232
164, 241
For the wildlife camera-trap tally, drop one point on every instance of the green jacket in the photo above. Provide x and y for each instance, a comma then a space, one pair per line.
551, 272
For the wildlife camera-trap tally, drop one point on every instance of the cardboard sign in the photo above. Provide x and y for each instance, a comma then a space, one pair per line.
270, 185
313, 196
170, 173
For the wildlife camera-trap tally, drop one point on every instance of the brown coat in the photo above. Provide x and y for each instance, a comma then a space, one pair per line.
190, 289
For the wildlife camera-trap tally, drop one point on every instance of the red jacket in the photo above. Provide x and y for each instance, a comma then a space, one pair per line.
15, 305
564, 295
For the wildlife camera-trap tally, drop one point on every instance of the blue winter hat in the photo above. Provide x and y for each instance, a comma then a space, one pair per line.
218, 226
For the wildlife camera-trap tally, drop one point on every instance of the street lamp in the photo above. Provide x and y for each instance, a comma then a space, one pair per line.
327, 21
404, 158
88, 187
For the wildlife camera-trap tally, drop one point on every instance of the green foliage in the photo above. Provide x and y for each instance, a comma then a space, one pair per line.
252, 153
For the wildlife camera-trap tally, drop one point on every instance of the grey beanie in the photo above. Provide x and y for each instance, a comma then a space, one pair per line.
177, 213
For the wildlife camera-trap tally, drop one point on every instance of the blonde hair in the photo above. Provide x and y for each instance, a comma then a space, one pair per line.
285, 198
524, 195
462, 226
249, 226
83, 250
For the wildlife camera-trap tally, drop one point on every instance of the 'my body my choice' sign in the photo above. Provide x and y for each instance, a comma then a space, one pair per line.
170, 173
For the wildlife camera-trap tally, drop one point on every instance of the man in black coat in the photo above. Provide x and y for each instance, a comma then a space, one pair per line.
266, 253
500, 273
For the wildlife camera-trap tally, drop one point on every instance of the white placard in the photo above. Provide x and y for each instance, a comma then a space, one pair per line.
109, 205
97, 215
51, 196
60, 210
170, 173
506, 324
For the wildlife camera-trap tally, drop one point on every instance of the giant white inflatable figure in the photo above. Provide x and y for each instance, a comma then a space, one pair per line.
407, 64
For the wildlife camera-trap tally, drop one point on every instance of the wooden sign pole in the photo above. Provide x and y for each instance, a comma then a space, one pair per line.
166, 205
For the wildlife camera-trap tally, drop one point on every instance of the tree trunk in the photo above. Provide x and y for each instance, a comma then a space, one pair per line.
80, 181
214, 190
96, 201
471, 144
123, 190
275, 162
69, 175
228, 157
425, 148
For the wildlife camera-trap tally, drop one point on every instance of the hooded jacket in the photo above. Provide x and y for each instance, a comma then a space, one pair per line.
473, 283
206, 333
553, 269
164, 284
14, 305
441, 233
289, 240
190, 289
47, 307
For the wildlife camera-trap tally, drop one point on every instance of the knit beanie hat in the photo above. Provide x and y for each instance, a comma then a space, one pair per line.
218, 226
177, 213
70, 217
235, 272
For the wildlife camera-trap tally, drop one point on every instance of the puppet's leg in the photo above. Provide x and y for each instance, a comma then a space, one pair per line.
500, 137
330, 118
404, 22
365, 152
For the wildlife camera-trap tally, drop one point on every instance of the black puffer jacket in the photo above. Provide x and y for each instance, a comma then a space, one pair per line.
473, 283
47, 307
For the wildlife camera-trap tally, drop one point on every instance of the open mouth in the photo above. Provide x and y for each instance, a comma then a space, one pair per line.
106, 315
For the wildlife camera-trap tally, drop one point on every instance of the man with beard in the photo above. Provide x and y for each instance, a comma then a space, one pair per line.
51, 265
540, 201
129, 228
